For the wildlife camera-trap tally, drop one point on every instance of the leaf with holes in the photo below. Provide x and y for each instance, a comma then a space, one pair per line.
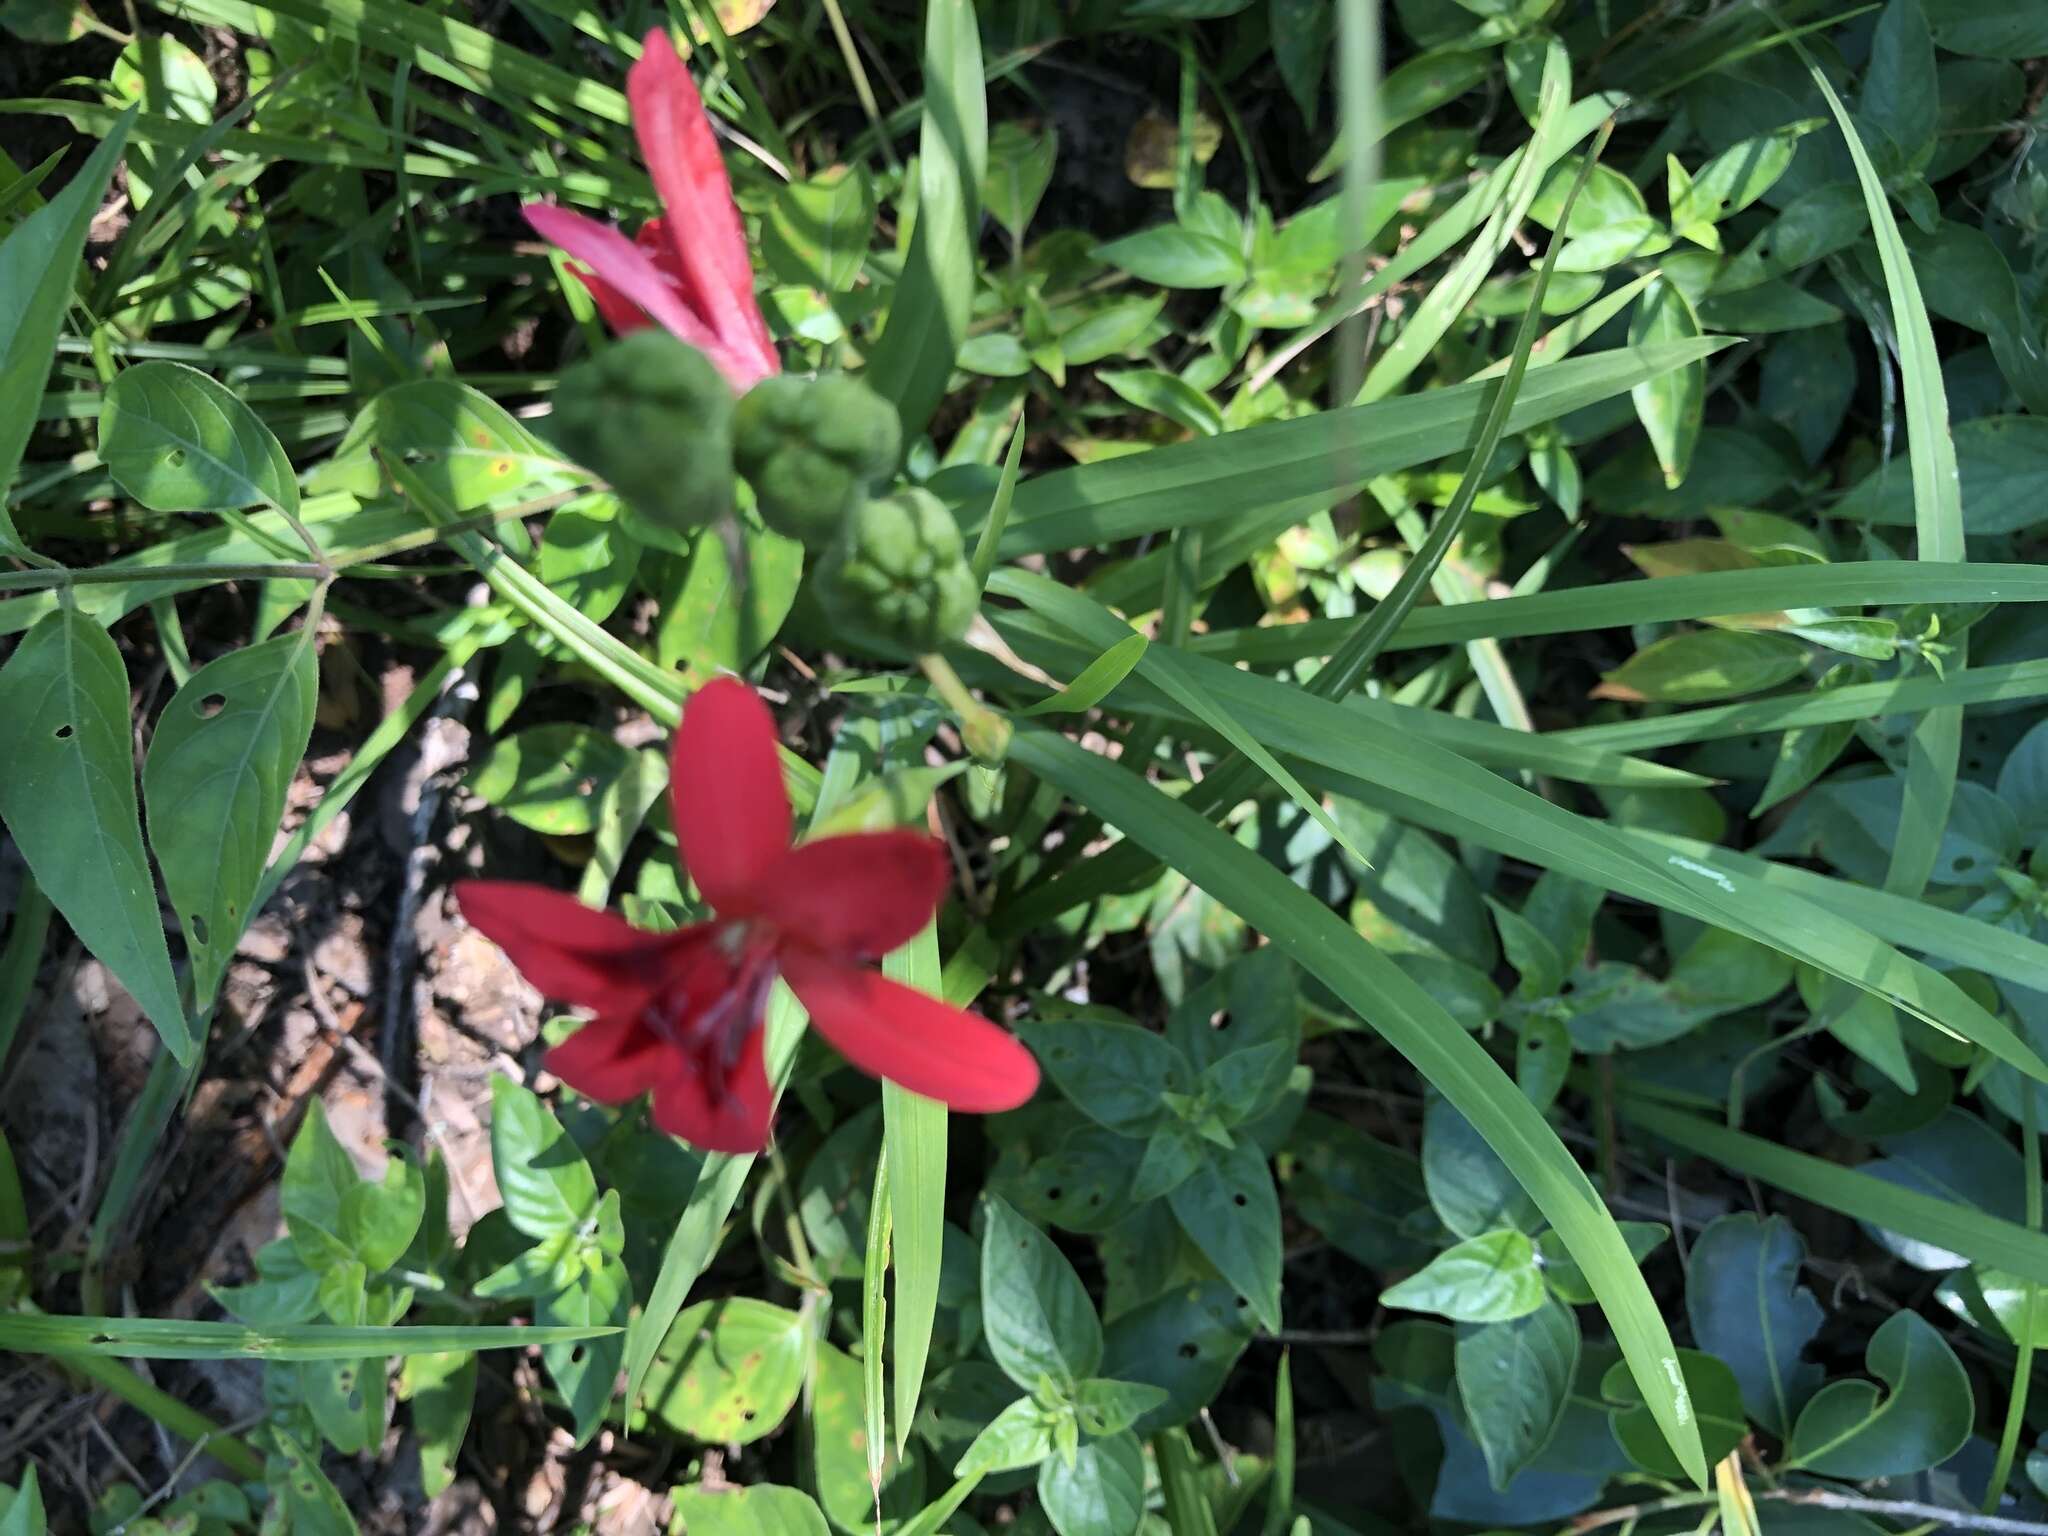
551, 777
442, 1391
1039, 1321
586, 1371
38, 264
1229, 1208
64, 696
839, 1443
716, 621
178, 440
728, 1371
1114, 1072
1184, 1342
463, 447
219, 768
346, 1399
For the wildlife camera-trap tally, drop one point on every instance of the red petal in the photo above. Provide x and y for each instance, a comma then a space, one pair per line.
624, 268
609, 1061
725, 790
708, 242
620, 313
859, 895
566, 949
912, 1038
734, 1121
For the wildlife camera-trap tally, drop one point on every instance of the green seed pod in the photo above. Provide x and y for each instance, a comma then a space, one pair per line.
654, 417
897, 581
812, 448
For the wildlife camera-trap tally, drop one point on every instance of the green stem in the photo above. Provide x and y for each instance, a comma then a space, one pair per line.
2023, 1372
101, 575
986, 733
185, 1422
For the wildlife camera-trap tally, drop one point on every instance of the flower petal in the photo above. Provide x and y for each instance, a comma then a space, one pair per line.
609, 1061
926, 1045
625, 269
568, 950
725, 790
856, 896
706, 237
733, 1121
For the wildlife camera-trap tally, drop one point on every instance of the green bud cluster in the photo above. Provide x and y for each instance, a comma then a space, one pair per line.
896, 581
654, 417
811, 449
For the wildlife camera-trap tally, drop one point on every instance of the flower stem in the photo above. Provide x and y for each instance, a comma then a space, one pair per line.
986, 733
2023, 1370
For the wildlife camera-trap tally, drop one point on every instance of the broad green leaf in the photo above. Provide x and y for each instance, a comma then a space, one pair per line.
379, 1218
1958, 1158
1900, 92
841, 1457
1988, 32
1716, 1407
1101, 1492
1019, 1436
1491, 1278
715, 619
1746, 1305
220, 766
1168, 395
346, 1399
1365, 1197
2003, 464
1672, 406
729, 1370
23, 1514
929, 312
163, 1338
1739, 175
585, 1372
38, 265
318, 1178
1174, 256
817, 231
1184, 1342
64, 695
1376, 990
1513, 1381
1106, 1407
1473, 1189
551, 778
1702, 665
442, 1392
588, 557
1114, 1072
760, 1509
1229, 1207
1020, 161
177, 440
1922, 1417
548, 1187
1038, 1320
460, 446
1109, 331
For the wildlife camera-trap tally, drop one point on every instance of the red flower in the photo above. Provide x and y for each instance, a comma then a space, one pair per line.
680, 1013
688, 271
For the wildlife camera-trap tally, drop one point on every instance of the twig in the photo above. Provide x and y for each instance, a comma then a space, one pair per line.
1820, 1498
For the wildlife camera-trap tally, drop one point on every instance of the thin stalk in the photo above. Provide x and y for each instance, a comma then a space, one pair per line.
104, 575
19, 960
2023, 1372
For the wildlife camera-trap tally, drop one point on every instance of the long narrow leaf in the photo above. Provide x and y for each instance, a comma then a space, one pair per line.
165, 1338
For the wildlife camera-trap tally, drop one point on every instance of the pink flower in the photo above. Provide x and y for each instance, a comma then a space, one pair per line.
680, 1014
688, 271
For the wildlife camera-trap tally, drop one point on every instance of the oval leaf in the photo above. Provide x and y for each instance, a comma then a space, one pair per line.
178, 440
